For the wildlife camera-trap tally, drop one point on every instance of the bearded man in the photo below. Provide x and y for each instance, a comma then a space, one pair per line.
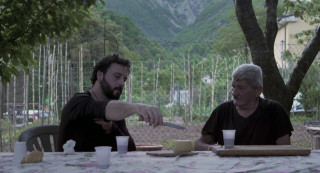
96, 117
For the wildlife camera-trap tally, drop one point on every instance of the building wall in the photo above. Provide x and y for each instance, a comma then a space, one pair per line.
288, 27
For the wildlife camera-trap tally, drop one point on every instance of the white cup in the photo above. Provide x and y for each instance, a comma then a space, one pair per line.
228, 138
20, 150
103, 154
122, 144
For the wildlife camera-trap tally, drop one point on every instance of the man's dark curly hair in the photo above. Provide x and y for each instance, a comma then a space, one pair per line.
105, 63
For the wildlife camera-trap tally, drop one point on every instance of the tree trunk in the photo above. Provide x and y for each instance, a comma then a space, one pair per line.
261, 48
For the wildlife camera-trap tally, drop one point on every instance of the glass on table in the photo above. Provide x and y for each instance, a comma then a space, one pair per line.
228, 138
122, 144
20, 150
103, 154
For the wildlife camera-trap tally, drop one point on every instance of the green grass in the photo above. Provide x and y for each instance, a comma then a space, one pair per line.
304, 144
300, 119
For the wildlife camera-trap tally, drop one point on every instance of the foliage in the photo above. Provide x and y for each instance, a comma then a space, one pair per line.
230, 36
106, 32
25, 24
310, 88
307, 11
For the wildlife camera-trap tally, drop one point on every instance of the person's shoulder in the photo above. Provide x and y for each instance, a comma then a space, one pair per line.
225, 104
270, 103
229, 102
80, 95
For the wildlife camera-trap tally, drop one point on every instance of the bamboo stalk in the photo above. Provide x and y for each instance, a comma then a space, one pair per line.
1, 112
25, 120
39, 75
200, 89
9, 125
171, 89
33, 94
80, 70
49, 55
63, 83
190, 88
43, 83
52, 84
58, 63
227, 90
141, 81
185, 87
154, 83
27, 101
131, 83
157, 81
66, 75
14, 105
129, 88
214, 73
70, 79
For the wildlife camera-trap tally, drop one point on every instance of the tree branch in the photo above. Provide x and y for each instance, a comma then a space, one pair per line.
251, 29
271, 23
32, 22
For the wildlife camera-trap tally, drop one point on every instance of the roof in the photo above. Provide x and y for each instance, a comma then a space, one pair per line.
284, 20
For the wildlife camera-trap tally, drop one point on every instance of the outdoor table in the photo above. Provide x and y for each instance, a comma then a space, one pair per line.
313, 128
140, 162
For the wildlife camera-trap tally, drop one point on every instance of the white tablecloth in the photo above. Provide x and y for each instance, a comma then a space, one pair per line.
139, 162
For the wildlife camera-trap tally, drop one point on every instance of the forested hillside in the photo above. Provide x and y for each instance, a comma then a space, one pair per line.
205, 27
106, 32
159, 19
179, 26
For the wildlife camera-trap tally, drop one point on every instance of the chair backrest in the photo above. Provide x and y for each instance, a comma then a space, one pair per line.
41, 137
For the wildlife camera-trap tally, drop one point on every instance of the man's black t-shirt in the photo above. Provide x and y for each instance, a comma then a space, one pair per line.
77, 123
262, 127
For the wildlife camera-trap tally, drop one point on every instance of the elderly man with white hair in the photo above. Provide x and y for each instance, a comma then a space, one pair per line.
257, 121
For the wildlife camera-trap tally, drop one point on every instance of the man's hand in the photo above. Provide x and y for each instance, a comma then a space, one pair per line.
117, 110
107, 126
149, 114
204, 143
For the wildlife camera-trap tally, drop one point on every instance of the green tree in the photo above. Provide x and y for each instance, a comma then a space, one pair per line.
25, 24
230, 38
261, 45
310, 88
309, 12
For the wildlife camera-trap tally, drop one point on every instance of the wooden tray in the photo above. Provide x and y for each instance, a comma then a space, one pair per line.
149, 147
261, 150
167, 153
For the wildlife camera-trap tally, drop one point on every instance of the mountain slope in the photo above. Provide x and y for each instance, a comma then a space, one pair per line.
207, 23
159, 19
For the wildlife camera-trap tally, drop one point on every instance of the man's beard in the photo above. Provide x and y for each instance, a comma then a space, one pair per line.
108, 91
